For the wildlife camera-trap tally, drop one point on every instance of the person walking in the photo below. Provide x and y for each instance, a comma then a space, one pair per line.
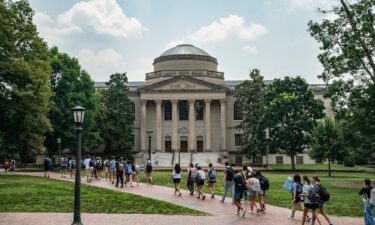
264, 186
246, 175
106, 168
239, 188
136, 170
296, 199
254, 187
201, 177
148, 171
12, 165
64, 165
88, 167
112, 169
128, 173
367, 193
228, 181
321, 205
211, 179
6, 165
119, 172
191, 178
98, 167
308, 202
176, 177
47, 166
72, 167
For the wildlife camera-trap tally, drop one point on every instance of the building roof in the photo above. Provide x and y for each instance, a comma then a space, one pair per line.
185, 49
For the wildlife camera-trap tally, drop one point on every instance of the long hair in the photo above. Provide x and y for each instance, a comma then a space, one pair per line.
316, 178
306, 179
297, 179
177, 168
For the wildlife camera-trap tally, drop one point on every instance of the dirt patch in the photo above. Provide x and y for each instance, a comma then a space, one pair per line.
354, 184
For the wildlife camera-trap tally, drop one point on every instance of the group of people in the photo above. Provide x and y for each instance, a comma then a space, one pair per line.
9, 166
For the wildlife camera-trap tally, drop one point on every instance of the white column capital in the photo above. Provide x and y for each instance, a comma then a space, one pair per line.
158, 101
174, 101
207, 101
143, 101
223, 101
191, 100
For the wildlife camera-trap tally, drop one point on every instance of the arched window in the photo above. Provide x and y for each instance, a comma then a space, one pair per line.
199, 106
184, 110
132, 110
167, 111
237, 111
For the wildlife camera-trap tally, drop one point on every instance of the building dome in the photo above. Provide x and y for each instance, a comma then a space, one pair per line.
185, 57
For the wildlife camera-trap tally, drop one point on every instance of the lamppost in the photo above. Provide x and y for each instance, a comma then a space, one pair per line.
149, 132
59, 142
78, 115
267, 141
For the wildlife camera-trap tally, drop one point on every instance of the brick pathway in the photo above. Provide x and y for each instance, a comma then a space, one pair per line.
221, 213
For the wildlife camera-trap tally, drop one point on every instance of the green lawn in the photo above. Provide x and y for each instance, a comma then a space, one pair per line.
339, 167
343, 187
34, 194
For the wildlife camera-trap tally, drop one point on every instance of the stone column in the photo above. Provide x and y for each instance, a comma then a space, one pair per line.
207, 123
174, 125
158, 125
192, 135
143, 125
223, 125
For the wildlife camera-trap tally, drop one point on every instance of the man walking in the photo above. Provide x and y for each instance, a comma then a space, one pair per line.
228, 181
120, 172
64, 165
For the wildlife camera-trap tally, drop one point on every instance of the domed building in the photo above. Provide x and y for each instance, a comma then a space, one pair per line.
186, 106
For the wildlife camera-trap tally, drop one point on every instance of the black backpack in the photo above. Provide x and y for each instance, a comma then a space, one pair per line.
91, 163
264, 183
148, 168
313, 194
230, 174
324, 194
240, 183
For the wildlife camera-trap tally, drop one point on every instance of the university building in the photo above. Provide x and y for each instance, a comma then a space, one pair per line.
190, 108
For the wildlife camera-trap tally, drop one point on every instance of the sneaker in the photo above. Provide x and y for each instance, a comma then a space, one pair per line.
213, 195
243, 214
258, 211
203, 198
180, 194
291, 218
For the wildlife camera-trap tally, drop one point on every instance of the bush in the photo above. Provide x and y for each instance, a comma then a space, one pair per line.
349, 161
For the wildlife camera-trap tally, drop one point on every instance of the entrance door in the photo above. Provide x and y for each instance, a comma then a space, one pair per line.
183, 146
168, 146
199, 146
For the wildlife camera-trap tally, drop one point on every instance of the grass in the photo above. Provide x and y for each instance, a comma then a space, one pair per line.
338, 167
34, 194
343, 187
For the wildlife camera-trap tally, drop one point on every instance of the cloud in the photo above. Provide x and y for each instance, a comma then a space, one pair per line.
103, 16
226, 27
250, 49
102, 63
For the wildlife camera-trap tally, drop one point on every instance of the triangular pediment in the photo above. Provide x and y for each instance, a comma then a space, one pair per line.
183, 83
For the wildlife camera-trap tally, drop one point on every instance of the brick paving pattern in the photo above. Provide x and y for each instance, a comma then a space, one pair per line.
220, 214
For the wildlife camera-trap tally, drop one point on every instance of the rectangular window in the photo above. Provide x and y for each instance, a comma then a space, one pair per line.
279, 160
238, 139
199, 146
199, 106
238, 160
184, 110
299, 159
258, 160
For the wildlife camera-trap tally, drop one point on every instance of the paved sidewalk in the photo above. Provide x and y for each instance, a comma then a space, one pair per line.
221, 213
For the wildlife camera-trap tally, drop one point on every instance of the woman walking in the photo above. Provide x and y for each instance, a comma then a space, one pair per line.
176, 176
308, 204
366, 192
316, 183
254, 187
211, 179
296, 199
191, 178
239, 188
201, 176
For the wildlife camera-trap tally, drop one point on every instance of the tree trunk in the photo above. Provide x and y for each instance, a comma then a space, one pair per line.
329, 167
293, 163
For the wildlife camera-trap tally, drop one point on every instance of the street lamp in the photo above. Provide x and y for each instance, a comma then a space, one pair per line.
59, 142
149, 132
267, 141
78, 116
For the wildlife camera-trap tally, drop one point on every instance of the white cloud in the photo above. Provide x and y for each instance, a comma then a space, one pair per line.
250, 49
103, 16
226, 27
102, 63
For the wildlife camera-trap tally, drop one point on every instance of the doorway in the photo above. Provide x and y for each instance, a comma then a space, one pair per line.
183, 146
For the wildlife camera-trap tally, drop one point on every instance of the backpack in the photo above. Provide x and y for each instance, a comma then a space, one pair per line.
254, 184
288, 185
64, 161
112, 164
230, 174
121, 167
323, 193
264, 183
212, 174
148, 168
128, 169
99, 165
201, 176
372, 197
313, 194
239, 182
91, 163
73, 164
191, 176
47, 162
133, 167
106, 163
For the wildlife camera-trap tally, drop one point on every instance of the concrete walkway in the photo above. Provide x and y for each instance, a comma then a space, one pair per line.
220, 213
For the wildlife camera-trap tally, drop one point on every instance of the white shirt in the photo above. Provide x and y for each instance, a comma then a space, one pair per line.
176, 175
87, 163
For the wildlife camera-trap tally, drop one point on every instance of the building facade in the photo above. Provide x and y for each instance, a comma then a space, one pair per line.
188, 105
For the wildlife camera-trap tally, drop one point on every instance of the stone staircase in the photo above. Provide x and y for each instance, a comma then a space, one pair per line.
166, 159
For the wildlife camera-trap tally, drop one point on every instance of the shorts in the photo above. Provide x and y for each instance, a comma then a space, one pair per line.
320, 205
298, 199
112, 170
63, 167
47, 168
238, 195
262, 192
212, 181
200, 183
176, 180
311, 205
253, 193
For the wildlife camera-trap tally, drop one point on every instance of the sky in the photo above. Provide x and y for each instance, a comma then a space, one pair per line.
109, 36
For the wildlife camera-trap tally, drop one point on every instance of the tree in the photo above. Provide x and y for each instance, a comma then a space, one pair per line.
71, 86
327, 143
24, 77
250, 94
348, 54
291, 114
116, 118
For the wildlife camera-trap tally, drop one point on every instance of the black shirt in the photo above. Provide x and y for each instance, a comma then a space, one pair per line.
366, 191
